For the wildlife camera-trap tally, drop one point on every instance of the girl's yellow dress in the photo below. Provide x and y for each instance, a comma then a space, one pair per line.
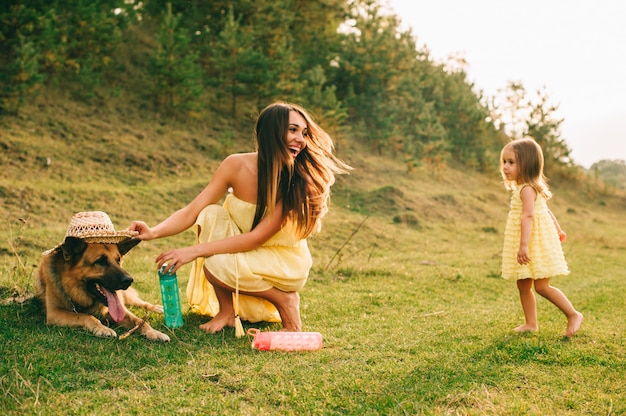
282, 262
546, 253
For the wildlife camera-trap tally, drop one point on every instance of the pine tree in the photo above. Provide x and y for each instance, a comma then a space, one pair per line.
174, 68
20, 77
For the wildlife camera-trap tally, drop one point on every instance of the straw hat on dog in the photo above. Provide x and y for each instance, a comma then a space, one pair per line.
94, 227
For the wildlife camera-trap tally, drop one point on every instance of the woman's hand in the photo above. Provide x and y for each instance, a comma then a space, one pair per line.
145, 232
176, 258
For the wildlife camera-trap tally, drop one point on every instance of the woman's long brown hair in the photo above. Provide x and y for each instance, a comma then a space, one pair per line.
302, 185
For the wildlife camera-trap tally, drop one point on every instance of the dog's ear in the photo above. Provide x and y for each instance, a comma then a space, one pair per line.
125, 246
73, 247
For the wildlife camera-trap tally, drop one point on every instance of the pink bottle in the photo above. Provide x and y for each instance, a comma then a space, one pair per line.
285, 341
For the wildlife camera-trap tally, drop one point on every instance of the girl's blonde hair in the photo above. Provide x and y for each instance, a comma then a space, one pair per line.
302, 185
529, 157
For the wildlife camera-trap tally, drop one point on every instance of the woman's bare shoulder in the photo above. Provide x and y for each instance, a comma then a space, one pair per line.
240, 158
242, 175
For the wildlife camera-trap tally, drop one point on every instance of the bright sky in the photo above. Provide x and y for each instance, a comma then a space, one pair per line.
576, 49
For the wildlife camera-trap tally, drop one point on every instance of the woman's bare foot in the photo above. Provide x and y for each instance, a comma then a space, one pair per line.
219, 322
289, 311
526, 328
573, 324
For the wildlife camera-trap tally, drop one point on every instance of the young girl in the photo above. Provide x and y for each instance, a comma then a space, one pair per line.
532, 250
251, 256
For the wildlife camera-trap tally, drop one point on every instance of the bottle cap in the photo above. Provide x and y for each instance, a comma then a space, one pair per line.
166, 272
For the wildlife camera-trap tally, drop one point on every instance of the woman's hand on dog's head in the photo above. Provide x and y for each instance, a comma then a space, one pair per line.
145, 232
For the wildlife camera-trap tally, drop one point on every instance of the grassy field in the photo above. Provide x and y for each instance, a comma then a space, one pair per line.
405, 289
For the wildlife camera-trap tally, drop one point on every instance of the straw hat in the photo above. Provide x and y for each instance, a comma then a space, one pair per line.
94, 227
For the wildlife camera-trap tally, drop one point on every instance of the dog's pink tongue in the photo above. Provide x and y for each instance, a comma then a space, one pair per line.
116, 310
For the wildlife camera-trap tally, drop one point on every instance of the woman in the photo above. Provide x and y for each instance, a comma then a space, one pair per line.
255, 244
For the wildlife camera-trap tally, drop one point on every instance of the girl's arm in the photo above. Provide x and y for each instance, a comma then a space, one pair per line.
528, 196
562, 235
269, 226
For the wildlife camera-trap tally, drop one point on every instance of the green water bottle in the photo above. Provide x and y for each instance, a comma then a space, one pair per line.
172, 311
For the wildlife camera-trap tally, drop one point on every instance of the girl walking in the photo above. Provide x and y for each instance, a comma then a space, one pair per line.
532, 251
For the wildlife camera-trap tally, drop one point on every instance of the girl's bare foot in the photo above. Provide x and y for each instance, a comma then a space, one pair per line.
526, 328
573, 324
218, 323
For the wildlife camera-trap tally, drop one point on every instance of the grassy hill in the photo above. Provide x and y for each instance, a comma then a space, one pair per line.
61, 157
405, 286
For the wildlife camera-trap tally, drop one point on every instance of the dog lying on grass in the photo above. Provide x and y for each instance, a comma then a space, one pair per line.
81, 282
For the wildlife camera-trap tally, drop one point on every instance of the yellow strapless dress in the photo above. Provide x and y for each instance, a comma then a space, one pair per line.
546, 253
282, 262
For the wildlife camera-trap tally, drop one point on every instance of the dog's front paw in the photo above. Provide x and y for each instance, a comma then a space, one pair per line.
157, 309
104, 332
154, 335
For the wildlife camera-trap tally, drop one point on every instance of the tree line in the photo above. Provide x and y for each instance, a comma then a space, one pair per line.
349, 62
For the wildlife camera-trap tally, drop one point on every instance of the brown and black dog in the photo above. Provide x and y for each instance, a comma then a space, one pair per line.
83, 284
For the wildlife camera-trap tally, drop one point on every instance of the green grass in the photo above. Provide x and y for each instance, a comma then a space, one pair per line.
405, 291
